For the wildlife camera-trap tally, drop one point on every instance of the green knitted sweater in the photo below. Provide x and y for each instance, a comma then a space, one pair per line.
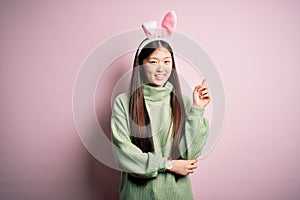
161, 184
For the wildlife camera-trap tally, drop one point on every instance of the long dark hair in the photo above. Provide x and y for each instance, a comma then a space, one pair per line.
140, 122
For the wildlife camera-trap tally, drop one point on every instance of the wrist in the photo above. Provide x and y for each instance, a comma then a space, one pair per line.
169, 165
196, 110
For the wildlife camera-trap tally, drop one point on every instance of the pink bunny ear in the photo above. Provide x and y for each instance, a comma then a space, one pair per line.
150, 29
169, 22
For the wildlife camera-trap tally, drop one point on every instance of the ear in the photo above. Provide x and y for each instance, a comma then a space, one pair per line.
169, 23
150, 29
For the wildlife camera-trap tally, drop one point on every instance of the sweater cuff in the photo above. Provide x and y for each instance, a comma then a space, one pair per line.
161, 164
196, 111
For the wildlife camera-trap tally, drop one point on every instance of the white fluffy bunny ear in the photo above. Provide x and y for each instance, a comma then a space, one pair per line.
169, 23
150, 29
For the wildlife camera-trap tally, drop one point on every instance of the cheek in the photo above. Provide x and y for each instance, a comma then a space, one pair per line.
148, 70
169, 70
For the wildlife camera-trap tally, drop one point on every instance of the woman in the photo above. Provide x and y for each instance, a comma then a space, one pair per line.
158, 134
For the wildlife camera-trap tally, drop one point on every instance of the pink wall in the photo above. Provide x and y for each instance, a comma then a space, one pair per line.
253, 44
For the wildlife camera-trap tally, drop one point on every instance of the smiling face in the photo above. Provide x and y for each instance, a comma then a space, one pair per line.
158, 67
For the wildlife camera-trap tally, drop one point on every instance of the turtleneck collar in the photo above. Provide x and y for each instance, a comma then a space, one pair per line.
157, 93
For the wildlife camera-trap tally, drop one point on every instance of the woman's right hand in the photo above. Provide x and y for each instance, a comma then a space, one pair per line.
184, 167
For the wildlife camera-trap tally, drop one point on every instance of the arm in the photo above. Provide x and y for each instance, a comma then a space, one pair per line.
196, 125
195, 135
129, 157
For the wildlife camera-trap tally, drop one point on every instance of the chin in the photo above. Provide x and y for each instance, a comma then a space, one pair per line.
160, 84
157, 83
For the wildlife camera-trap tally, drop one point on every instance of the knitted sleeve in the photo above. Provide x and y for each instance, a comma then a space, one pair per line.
196, 132
128, 156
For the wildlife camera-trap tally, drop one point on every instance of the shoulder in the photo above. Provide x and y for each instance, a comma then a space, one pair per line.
121, 103
123, 97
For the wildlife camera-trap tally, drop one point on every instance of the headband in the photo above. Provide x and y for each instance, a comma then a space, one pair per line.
153, 33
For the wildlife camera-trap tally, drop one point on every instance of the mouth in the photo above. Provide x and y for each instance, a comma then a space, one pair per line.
159, 76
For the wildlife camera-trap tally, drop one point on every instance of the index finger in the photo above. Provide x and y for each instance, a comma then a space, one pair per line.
194, 161
203, 82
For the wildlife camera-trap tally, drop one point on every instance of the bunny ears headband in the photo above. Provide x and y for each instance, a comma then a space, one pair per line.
153, 33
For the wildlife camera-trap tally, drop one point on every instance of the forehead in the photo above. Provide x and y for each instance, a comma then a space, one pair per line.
160, 52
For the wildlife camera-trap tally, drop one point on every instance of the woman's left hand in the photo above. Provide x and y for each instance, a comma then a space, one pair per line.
201, 95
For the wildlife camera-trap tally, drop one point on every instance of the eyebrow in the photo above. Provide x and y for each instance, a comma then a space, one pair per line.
157, 58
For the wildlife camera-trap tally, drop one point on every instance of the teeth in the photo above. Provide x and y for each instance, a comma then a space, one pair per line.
160, 76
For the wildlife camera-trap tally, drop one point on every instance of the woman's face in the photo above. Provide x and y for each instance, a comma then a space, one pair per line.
158, 67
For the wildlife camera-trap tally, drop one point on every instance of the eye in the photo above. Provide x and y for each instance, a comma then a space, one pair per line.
167, 62
154, 62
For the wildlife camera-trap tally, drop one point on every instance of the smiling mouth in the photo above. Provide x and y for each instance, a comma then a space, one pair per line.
159, 76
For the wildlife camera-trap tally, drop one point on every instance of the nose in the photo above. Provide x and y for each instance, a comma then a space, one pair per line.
160, 68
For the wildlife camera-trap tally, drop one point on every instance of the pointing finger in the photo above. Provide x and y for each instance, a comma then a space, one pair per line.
203, 82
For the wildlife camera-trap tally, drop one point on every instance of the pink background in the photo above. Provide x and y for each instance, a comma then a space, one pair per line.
253, 44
